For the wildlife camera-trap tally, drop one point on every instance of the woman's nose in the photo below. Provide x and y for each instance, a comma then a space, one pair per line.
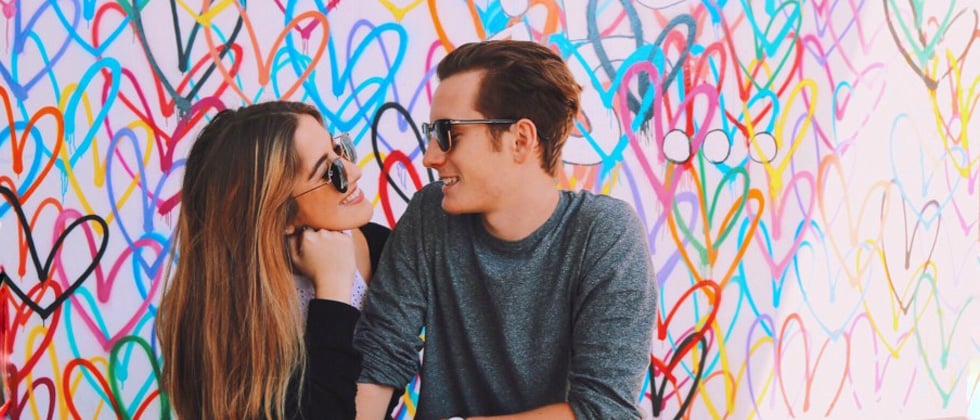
353, 171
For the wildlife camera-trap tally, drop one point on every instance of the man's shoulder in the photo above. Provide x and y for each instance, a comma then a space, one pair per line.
428, 198
600, 207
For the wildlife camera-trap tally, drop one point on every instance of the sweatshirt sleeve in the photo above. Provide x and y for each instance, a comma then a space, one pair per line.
613, 316
332, 363
394, 310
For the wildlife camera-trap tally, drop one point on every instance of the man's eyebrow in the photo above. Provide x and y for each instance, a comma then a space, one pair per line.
317, 165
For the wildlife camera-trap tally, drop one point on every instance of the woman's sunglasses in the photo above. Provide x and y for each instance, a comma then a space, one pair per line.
441, 130
336, 172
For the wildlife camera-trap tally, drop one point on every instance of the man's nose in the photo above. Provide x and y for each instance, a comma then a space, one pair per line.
434, 156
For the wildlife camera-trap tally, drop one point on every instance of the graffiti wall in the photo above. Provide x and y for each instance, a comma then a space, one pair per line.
804, 170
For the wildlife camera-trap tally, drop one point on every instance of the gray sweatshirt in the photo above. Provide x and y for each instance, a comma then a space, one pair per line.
565, 314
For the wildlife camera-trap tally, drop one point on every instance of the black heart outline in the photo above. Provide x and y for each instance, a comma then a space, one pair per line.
657, 395
183, 51
44, 270
377, 151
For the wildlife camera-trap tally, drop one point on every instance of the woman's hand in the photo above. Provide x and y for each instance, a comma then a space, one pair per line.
326, 257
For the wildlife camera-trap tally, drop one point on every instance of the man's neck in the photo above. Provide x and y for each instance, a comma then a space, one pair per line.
523, 213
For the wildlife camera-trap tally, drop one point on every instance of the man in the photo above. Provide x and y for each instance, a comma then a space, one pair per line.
536, 303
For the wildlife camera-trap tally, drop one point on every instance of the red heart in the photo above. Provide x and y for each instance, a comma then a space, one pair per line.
66, 382
17, 144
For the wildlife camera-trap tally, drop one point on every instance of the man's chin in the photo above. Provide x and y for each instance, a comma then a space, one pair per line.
451, 208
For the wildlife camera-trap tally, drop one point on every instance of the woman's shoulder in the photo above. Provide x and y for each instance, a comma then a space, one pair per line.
376, 236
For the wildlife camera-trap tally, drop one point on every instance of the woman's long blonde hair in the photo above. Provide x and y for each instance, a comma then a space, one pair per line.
229, 323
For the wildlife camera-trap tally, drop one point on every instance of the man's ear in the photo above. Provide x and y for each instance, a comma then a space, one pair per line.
525, 140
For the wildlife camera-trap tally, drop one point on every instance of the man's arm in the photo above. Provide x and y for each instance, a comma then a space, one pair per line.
560, 411
372, 401
613, 316
388, 331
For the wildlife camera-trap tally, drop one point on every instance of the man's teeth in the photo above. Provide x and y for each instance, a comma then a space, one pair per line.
450, 180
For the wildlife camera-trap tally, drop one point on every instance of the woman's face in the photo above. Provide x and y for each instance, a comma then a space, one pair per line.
321, 205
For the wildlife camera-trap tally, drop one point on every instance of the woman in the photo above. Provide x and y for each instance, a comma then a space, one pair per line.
268, 197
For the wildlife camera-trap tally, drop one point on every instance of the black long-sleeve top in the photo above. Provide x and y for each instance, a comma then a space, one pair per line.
333, 365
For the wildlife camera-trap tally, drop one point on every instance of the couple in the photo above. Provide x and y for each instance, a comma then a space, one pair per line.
535, 302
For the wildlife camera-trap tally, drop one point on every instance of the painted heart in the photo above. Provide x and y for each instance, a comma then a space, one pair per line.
709, 241
760, 357
663, 122
954, 105
840, 26
793, 124
664, 370
829, 295
817, 64
670, 50
916, 162
854, 103
264, 61
853, 247
34, 395
356, 76
43, 270
936, 324
723, 375
185, 48
25, 40
875, 371
756, 114
82, 126
475, 26
920, 44
907, 246
19, 342
147, 279
965, 207
103, 29
690, 338
172, 144
306, 31
101, 393
397, 162
779, 238
148, 391
597, 136
26, 184
777, 49
828, 370
891, 327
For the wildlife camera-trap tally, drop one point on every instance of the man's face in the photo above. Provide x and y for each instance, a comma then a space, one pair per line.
473, 173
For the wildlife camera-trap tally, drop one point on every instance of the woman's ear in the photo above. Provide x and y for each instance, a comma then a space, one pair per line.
525, 140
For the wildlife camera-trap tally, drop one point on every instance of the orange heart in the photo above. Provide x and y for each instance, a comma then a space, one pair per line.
265, 64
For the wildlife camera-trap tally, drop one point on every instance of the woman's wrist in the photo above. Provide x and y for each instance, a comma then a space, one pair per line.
332, 289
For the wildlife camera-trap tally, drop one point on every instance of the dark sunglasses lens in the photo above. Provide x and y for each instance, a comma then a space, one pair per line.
442, 134
338, 175
344, 147
439, 131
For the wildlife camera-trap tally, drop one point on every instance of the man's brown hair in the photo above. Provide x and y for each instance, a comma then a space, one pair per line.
521, 79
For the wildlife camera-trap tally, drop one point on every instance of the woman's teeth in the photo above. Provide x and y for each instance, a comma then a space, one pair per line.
354, 196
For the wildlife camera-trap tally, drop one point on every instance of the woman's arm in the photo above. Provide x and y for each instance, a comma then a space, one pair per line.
332, 363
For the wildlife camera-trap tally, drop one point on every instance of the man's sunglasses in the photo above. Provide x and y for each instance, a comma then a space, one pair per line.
441, 130
336, 172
